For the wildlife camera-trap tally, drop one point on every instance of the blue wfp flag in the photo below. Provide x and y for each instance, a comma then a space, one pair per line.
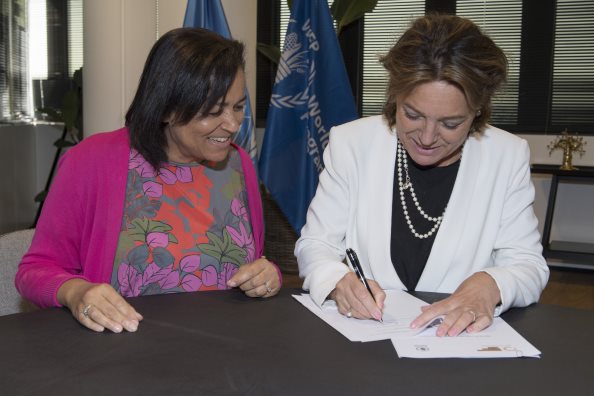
209, 14
311, 94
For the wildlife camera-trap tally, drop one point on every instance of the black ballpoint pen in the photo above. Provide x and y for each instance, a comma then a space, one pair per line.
358, 270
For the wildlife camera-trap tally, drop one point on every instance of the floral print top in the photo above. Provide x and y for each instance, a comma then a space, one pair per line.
186, 227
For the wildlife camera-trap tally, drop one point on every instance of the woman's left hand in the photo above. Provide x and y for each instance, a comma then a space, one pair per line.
257, 279
470, 307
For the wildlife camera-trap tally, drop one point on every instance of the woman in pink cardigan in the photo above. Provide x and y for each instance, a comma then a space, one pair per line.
167, 204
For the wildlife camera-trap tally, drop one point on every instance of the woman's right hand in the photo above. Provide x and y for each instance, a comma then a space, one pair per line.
353, 299
98, 306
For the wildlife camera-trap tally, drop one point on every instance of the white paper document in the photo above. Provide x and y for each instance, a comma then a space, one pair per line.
497, 341
400, 308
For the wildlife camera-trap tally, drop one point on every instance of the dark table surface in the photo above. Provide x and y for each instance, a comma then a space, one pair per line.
223, 343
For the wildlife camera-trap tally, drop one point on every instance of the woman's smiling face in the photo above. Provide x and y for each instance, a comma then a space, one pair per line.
432, 123
207, 137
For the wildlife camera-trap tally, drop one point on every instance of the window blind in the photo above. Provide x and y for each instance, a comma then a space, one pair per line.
573, 68
502, 21
14, 87
75, 36
382, 28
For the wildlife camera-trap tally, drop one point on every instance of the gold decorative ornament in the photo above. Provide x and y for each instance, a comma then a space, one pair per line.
569, 144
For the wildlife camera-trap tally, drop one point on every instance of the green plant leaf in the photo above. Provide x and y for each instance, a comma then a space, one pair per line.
40, 197
223, 248
157, 226
271, 52
234, 255
215, 248
348, 11
63, 143
209, 250
70, 106
218, 241
139, 229
77, 77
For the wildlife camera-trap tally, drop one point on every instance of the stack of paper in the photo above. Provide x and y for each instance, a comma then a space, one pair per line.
400, 308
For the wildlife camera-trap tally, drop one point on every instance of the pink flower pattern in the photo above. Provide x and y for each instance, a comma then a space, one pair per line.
148, 267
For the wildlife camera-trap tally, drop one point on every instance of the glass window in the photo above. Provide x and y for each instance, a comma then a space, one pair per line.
41, 46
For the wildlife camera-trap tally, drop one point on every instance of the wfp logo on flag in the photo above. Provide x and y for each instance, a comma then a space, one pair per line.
294, 60
311, 94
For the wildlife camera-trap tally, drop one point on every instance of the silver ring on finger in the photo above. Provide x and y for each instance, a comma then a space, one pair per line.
473, 315
349, 314
268, 289
86, 310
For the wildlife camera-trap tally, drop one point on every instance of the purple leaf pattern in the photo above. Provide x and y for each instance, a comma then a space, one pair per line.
167, 176
227, 272
146, 170
184, 174
191, 283
178, 234
153, 273
239, 209
243, 239
209, 275
130, 280
170, 281
190, 263
152, 189
157, 239
135, 159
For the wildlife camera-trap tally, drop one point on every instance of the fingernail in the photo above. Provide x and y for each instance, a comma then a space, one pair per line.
232, 283
131, 325
377, 315
413, 325
117, 329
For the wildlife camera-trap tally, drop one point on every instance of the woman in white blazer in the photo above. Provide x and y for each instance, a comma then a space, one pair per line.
429, 195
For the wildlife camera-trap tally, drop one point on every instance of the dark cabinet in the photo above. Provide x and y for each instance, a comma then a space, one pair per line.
578, 252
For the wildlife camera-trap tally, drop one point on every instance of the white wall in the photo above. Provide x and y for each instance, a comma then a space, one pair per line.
26, 155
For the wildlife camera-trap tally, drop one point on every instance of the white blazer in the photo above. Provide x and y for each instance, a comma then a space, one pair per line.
489, 224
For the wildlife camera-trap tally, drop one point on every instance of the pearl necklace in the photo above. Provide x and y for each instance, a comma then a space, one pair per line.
402, 162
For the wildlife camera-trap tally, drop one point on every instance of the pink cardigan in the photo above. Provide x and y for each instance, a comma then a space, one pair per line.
78, 231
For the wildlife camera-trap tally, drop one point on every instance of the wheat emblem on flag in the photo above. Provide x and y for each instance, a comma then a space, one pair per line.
292, 59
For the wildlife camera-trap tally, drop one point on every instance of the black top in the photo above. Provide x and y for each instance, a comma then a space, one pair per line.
433, 187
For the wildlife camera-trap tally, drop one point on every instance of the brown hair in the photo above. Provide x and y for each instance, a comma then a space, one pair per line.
440, 47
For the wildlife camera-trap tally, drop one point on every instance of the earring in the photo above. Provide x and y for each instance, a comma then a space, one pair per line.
478, 113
